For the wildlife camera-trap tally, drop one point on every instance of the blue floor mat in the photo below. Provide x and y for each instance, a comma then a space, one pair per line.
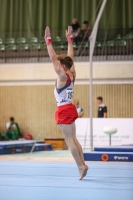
59, 181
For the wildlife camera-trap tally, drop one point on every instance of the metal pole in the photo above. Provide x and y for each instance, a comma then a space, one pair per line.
92, 45
91, 104
110, 140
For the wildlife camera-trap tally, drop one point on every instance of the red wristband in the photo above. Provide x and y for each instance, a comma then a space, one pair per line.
70, 39
48, 40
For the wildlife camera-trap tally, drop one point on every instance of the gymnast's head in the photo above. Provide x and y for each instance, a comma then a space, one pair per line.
65, 61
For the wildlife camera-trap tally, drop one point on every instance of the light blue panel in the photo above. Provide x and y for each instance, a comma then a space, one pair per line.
59, 181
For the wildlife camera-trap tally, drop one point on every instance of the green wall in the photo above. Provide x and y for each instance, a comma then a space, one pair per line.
34, 15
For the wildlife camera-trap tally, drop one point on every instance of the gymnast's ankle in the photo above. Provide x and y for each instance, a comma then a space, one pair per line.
83, 172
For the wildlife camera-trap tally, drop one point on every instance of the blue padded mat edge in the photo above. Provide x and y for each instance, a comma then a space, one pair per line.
115, 148
25, 149
17, 143
109, 156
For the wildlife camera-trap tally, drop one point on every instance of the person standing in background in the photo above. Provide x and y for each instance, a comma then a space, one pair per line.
75, 30
79, 109
102, 109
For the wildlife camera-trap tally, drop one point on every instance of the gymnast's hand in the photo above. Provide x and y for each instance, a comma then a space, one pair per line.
47, 32
69, 32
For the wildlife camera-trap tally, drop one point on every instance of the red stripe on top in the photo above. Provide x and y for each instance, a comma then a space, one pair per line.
69, 80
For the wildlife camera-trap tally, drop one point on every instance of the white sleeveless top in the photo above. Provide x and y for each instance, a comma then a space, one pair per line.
64, 95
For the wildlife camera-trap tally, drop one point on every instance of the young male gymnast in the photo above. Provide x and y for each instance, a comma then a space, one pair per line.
66, 112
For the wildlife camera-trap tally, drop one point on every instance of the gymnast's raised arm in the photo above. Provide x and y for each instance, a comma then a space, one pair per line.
57, 67
54, 58
70, 51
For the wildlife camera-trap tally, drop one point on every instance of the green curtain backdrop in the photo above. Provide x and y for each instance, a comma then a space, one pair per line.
34, 15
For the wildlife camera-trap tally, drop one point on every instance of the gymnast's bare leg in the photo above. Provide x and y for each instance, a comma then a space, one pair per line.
74, 146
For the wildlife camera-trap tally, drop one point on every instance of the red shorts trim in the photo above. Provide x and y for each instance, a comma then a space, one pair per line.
66, 114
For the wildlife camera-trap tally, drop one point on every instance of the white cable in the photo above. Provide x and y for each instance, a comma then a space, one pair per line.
39, 134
